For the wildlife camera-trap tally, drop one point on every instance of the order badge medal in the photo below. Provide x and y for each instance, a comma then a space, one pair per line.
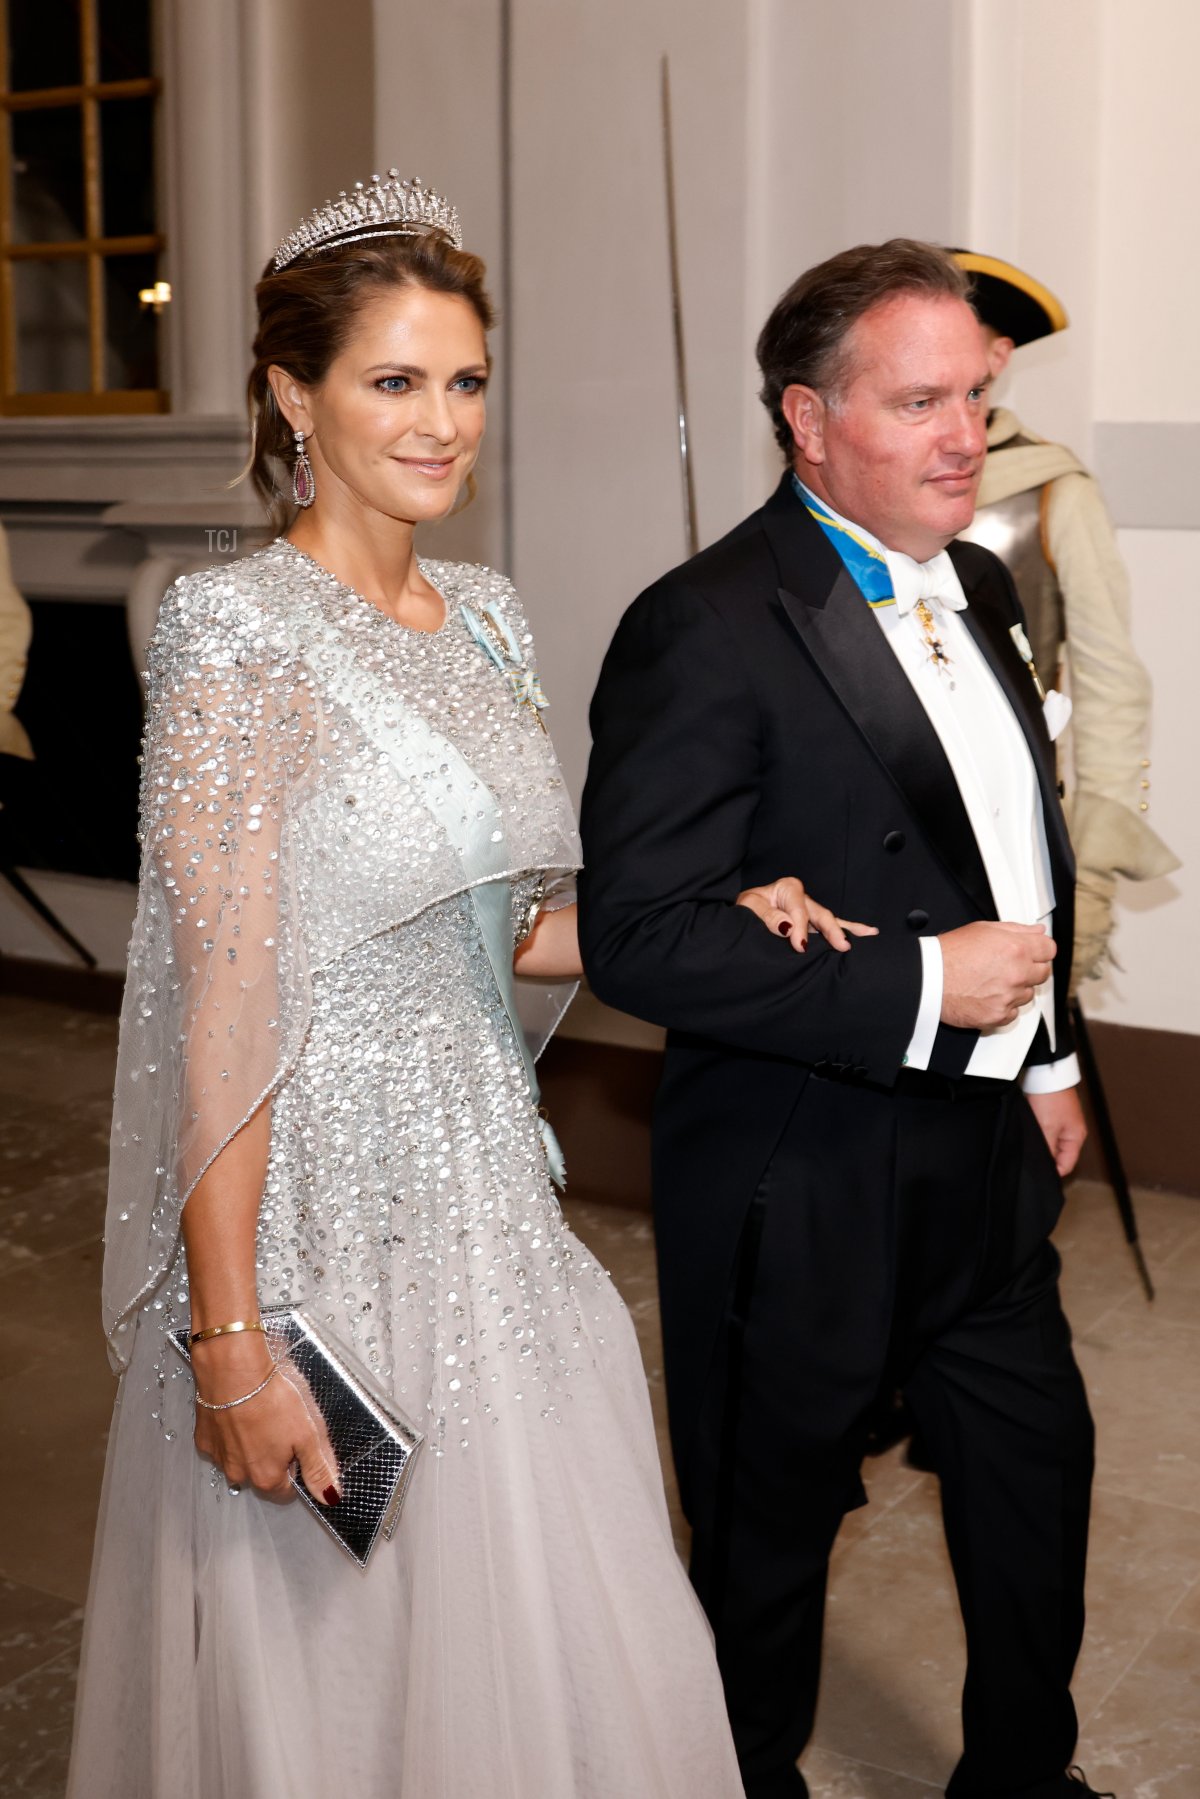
1025, 651
493, 633
1056, 707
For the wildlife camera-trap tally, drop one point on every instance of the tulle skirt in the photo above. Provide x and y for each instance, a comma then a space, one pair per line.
528, 1633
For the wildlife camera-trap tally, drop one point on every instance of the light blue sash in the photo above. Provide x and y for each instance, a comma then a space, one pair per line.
869, 568
467, 811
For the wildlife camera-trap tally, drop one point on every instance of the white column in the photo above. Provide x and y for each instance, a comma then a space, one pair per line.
204, 181
308, 112
269, 110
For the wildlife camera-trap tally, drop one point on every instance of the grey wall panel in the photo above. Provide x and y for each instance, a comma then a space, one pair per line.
1150, 473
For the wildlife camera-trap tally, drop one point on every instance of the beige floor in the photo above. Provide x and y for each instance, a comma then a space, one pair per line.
888, 1721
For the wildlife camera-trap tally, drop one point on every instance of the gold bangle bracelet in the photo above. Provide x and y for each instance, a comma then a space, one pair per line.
227, 1330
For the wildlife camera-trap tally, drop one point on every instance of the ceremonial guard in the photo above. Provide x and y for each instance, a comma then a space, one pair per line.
1043, 515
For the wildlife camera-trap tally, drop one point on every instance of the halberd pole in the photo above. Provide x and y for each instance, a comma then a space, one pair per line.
685, 465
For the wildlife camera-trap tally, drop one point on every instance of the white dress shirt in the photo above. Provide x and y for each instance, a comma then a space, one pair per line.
993, 768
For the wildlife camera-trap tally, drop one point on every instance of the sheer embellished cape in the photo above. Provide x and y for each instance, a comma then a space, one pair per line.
276, 744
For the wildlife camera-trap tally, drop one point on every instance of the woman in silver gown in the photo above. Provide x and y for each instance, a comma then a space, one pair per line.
349, 804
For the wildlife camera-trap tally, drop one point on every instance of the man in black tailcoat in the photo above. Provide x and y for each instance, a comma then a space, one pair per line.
858, 1155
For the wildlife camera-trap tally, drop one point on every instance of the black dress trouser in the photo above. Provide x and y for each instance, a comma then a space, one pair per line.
899, 1240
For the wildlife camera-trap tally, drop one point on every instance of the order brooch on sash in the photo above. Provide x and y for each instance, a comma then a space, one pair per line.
493, 633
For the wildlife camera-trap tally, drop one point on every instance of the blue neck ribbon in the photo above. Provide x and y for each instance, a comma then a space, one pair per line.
864, 563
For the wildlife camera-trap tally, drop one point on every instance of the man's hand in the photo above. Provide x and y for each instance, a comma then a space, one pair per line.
990, 970
1061, 1118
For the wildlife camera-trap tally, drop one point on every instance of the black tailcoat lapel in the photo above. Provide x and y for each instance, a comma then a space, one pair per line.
989, 623
836, 628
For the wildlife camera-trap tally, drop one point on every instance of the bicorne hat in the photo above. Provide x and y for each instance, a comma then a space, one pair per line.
1009, 300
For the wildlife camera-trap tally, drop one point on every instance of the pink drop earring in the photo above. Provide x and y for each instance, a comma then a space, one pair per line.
304, 486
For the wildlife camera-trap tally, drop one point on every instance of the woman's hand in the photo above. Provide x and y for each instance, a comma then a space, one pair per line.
551, 950
785, 907
257, 1443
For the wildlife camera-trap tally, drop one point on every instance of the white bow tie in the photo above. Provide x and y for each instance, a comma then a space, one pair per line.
933, 580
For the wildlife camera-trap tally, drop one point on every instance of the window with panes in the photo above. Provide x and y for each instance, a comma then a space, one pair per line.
82, 298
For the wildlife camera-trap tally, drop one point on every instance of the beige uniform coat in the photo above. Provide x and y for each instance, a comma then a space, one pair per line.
16, 628
1110, 689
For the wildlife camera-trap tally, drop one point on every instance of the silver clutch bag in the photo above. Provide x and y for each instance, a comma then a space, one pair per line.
375, 1444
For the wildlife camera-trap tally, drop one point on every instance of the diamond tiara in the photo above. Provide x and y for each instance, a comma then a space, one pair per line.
391, 208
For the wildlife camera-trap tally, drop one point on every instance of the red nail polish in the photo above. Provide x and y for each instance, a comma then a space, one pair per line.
784, 927
804, 943
331, 1496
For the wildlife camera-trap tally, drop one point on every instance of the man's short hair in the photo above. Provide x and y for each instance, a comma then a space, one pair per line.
803, 343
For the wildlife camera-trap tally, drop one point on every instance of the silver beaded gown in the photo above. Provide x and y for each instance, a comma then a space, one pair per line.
306, 933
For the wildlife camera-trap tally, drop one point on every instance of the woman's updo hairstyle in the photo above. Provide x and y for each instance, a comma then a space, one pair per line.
306, 315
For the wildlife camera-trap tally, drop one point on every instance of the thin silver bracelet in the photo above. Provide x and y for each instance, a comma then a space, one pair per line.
529, 916
230, 1403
